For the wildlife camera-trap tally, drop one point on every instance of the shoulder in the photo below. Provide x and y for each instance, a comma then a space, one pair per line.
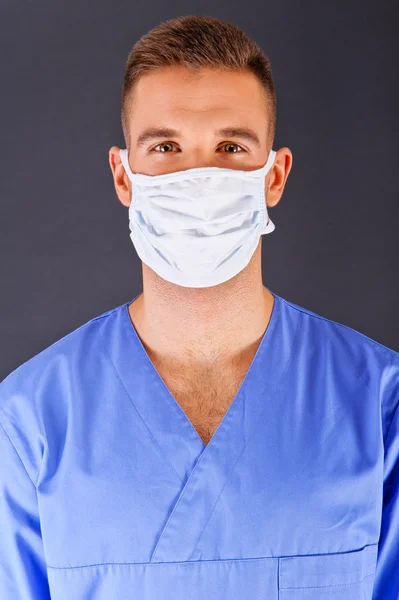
59, 355
36, 396
343, 337
344, 350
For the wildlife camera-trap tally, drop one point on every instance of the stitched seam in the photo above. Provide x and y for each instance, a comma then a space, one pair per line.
316, 316
168, 563
184, 562
218, 560
333, 585
278, 578
358, 375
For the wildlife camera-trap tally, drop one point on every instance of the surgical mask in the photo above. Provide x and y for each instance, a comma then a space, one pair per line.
198, 227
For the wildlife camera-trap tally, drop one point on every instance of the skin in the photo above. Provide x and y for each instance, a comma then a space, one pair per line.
221, 326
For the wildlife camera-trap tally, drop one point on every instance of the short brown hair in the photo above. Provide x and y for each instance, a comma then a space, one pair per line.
196, 41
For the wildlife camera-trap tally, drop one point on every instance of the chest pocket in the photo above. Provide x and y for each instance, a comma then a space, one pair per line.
338, 576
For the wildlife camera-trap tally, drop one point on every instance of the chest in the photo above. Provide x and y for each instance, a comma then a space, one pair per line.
203, 395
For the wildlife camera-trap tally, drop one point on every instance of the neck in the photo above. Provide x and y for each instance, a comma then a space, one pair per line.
202, 325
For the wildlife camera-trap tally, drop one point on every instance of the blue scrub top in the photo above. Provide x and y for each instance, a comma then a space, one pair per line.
108, 492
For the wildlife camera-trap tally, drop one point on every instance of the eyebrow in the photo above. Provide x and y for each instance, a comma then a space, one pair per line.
152, 133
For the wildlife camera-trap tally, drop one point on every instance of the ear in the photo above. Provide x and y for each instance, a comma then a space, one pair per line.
277, 176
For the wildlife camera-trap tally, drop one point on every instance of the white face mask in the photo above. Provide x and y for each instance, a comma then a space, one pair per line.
198, 227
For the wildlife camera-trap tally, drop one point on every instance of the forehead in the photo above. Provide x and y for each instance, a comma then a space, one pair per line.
175, 96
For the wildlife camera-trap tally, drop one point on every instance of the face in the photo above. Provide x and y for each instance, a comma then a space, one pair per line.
213, 118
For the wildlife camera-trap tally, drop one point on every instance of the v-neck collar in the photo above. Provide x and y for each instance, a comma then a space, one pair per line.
168, 396
154, 401
202, 469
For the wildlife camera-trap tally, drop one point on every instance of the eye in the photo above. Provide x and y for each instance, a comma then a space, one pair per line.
230, 144
162, 144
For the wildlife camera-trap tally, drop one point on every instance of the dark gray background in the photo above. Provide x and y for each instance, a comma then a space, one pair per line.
66, 255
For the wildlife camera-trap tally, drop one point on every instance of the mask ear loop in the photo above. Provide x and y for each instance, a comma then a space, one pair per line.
266, 167
125, 161
267, 227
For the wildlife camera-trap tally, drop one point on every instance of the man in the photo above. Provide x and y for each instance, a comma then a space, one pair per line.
207, 439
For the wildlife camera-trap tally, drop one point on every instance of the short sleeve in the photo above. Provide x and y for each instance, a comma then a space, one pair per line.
386, 586
23, 573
